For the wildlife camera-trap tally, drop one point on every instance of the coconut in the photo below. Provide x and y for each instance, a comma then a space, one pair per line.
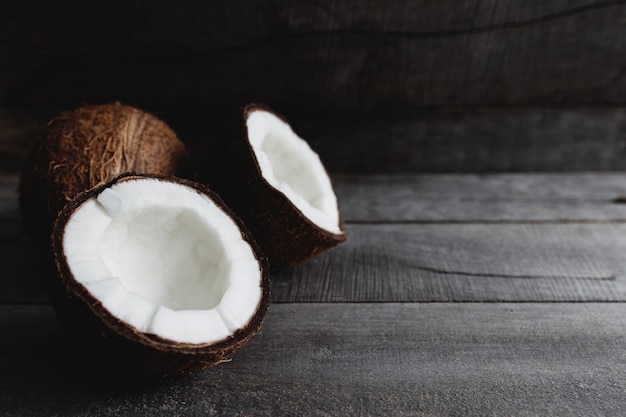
88, 147
157, 272
278, 185
162, 269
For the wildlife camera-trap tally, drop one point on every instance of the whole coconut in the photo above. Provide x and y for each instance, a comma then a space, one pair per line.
88, 147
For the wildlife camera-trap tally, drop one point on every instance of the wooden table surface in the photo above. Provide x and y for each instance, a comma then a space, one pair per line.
500, 294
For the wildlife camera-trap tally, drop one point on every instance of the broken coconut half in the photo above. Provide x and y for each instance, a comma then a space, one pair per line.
164, 265
278, 185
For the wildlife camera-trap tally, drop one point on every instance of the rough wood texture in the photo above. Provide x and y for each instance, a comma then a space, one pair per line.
437, 238
423, 262
465, 262
350, 359
517, 237
472, 140
411, 86
588, 197
354, 54
462, 140
594, 197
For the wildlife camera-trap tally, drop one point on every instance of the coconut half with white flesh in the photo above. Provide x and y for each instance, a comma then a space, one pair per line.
278, 185
165, 266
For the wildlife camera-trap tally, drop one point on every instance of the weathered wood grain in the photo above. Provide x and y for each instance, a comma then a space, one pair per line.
205, 25
485, 198
472, 140
461, 140
507, 237
349, 359
353, 55
418, 262
464, 262
515, 187
592, 197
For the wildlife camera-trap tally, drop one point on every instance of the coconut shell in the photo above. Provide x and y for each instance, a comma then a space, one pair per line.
124, 348
86, 148
286, 236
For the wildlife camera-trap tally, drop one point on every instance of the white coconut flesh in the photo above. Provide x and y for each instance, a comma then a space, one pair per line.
289, 165
165, 259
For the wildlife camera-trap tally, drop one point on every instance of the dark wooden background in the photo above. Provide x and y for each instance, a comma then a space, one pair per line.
349, 55
472, 85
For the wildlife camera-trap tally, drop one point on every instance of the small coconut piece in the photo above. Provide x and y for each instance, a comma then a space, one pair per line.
88, 147
164, 269
277, 184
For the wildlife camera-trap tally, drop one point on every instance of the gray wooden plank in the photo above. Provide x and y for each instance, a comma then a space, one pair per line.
473, 241
418, 262
482, 198
464, 262
349, 359
316, 54
510, 186
456, 197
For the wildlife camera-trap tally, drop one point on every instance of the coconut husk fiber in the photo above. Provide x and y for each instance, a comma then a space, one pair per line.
85, 148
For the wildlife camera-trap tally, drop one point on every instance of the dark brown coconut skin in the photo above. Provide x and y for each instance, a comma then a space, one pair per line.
88, 147
286, 236
123, 348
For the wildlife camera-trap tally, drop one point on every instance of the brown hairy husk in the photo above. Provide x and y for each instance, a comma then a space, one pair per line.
124, 348
88, 147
